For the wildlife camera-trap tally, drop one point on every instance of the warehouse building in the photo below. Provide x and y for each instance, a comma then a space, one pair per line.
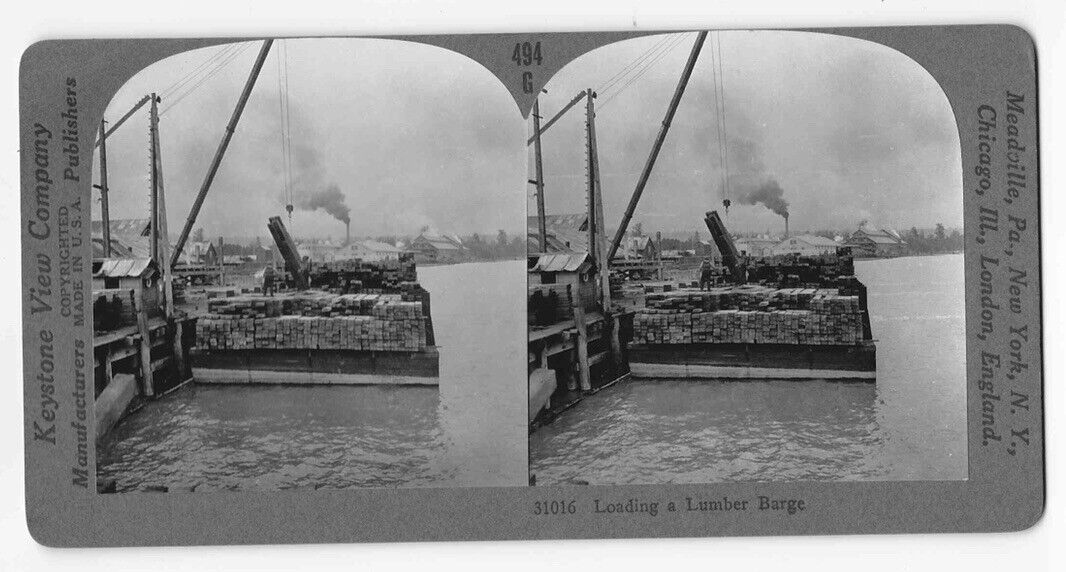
437, 248
805, 245
370, 250
881, 243
757, 246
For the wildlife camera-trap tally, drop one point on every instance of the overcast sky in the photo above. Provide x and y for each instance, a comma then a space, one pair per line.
849, 130
411, 135
415, 135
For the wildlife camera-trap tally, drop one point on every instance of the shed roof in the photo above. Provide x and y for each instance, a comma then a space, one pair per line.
124, 268
874, 238
563, 262
813, 240
569, 230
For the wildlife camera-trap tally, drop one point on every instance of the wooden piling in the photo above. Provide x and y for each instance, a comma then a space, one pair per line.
179, 353
145, 345
584, 376
616, 345
109, 370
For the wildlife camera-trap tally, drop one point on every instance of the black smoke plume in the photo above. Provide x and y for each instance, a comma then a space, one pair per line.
769, 194
331, 200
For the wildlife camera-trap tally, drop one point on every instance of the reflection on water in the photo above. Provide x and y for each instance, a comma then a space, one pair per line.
279, 437
470, 431
704, 432
910, 425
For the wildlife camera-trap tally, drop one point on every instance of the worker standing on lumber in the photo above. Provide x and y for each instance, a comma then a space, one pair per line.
268, 281
706, 274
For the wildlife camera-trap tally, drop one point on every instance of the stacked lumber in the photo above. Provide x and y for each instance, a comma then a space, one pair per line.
737, 326
314, 320
356, 275
112, 309
362, 333
751, 315
821, 270
747, 297
549, 304
312, 303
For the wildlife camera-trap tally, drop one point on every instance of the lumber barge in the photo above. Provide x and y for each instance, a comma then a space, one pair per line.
360, 323
779, 317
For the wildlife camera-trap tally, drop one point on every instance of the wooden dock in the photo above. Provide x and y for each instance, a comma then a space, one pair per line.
586, 354
139, 362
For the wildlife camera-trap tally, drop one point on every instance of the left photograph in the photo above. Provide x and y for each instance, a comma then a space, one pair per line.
306, 274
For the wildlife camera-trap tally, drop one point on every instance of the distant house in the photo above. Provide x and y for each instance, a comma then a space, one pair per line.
805, 245
210, 255
638, 248
867, 243
437, 248
197, 252
565, 233
371, 250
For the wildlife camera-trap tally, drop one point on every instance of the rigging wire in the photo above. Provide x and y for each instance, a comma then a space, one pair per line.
632, 65
184, 80
189, 84
654, 55
651, 63
219, 66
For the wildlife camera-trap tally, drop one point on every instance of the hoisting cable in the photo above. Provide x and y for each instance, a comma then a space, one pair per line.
723, 147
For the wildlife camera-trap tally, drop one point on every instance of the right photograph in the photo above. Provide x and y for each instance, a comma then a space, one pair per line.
745, 264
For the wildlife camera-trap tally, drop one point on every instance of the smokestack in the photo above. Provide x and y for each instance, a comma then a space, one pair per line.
786, 226
348, 232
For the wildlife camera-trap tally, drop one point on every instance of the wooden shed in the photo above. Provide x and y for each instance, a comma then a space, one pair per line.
139, 275
574, 269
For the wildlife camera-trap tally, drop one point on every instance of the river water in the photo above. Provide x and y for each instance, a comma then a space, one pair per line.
909, 425
471, 431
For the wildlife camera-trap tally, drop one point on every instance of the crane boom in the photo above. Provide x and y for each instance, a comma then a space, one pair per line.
222, 145
657, 146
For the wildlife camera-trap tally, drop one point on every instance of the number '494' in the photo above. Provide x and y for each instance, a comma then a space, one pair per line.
526, 53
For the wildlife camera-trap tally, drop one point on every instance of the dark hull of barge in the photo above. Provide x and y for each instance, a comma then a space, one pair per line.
316, 367
753, 361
